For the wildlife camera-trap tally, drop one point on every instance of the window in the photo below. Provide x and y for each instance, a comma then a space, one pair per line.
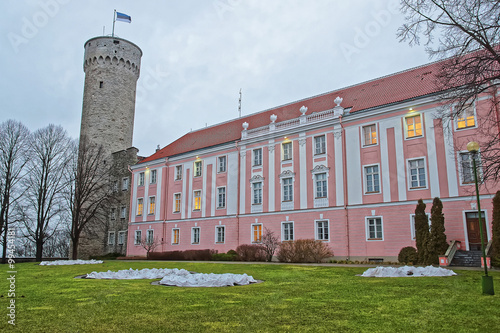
257, 193
197, 200
121, 237
152, 201
221, 197
322, 232
197, 168
125, 184
123, 212
152, 179
374, 225
178, 172
256, 233
115, 186
467, 167
320, 181
287, 189
219, 234
319, 145
150, 236
175, 236
416, 171
111, 238
140, 206
177, 202
370, 135
113, 213
257, 157
372, 179
195, 235
141, 179
101, 84
221, 164
287, 231
413, 126
466, 118
412, 221
287, 150
138, 237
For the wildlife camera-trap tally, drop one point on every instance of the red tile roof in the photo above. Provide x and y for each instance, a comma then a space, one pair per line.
389, 89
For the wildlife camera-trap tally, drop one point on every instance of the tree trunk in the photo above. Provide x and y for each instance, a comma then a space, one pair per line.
4, 247
39, 250
74, 252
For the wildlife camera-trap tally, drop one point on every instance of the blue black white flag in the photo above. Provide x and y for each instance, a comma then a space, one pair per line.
123, 17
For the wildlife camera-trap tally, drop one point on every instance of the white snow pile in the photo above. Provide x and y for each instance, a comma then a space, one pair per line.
407, 271
176, 277
70, 262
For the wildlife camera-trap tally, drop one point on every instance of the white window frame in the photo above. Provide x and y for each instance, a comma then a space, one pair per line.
140, 180
319, 142
123, 212
316, 230
286, 155
115, 186
409, 179
316, 185
221, 167
474, 115
221, 204
194, 230
137, 237
367, 228
461, 167
175, 202
151, 201
140, 206
150, 236
288, 198
412, 224
178, 236
405, 120
113, 213
217, 234
284, 225
194, 200
198, 168
252, 234
125, 184
121, 237
257, 157
111, 237
178, 172
365, 178
259, 191
370, 137
153, 176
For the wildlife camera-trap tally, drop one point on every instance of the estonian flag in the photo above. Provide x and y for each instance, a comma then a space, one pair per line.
123, 17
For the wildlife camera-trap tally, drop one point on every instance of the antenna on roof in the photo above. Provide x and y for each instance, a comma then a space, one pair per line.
239, 104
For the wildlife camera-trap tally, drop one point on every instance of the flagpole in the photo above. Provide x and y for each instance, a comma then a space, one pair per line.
114, 16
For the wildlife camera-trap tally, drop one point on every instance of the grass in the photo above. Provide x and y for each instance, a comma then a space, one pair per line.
292, 298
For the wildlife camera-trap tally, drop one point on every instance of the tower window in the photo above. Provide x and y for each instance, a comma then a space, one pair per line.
101, 84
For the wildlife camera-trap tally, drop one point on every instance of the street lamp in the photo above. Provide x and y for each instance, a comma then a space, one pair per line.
486, 281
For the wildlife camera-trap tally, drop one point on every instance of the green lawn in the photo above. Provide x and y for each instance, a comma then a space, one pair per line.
292, 298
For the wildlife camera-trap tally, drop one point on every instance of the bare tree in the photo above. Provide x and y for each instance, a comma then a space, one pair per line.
89, 191
270, 242
14, 140
149, 244
467, 34
42, 210
57, 246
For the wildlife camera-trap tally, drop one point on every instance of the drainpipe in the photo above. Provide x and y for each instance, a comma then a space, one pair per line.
344, 173
165, 208
495, 101
238, 197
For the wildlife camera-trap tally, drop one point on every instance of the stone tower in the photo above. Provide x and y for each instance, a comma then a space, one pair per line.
111, 67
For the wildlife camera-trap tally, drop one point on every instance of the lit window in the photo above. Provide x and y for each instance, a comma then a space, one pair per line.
369, 135
287, 231
149, 236
138, 237
466, 118
257, 157
153, 177
257, 193
220, 234
178, 172
372, 179
256, 233
195, 235
416, 171
121, 237
287, 189
111, 238
177, 202
197, 200
175, 236
123, 212
321, 189
197, 168
322, 232
221, 197
287, 151
152, 201
467, 167
222, 164
319, 145
113, 213
140, 205
125, 184
141, 179
413, 126
374, 225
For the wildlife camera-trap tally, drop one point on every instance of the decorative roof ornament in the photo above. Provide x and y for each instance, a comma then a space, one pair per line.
338, 110
303, 110
273, 118
245, 126
338, 100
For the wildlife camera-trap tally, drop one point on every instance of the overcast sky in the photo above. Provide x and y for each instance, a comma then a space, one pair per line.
197, 54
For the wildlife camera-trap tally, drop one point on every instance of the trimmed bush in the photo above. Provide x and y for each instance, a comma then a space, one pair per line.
407, 255
225, 256
437, 244
191, 255
421, 233
303, 250
251, 252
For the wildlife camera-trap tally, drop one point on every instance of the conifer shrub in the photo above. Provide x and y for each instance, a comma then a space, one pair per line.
421, 233
251, 252
303, 250
495, 245
437, 244
407, 255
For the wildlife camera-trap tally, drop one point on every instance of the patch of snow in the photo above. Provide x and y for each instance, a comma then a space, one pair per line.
407, 271
70, 262
135, 274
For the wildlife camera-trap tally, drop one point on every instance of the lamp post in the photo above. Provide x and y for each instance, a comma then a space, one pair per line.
486, 281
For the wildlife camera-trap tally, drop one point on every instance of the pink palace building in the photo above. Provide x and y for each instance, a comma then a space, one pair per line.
345, 167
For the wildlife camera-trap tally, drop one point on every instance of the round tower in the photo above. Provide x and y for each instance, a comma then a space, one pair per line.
111, 67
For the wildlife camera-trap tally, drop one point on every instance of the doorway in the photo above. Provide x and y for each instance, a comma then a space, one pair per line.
473, 231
